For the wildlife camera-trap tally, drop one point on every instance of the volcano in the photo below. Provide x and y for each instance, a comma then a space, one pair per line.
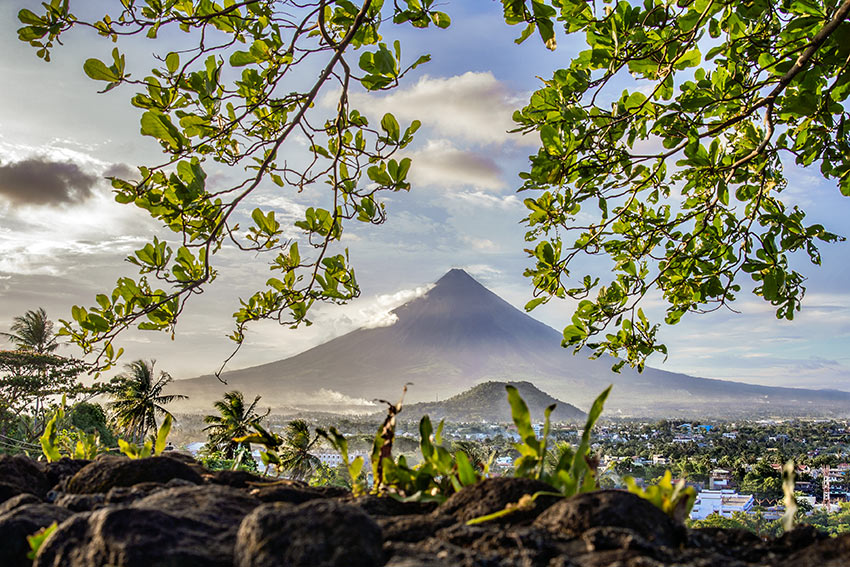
460, 334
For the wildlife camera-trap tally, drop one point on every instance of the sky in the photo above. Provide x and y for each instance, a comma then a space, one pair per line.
63, 238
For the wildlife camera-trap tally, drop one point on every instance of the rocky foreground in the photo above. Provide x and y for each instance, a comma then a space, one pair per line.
170, 511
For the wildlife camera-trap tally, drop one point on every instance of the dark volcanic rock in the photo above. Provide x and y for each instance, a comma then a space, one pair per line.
412, 528
23, 474
17, 501
20, 522
103, 474
125, 495
8, 491
828, 552
169, 512
134, 537
314, 534
219, 507
387, 506
63, 469
290, 492
494, 494
236, 479
576, 515
80, 502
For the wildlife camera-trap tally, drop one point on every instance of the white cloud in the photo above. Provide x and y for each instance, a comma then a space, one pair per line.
486, 200
330, 321
325, 397
441, 164
378, 313
483, 271
475, 107
483, 244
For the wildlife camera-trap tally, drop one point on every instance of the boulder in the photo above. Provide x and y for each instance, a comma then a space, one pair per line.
134, 537
63, 469
8, 491
103, 474
826, 552
220, 507
287, 492
495, 494
80, 502
236, 479
313, 534
125, 495
21, 474
17, 501
20, 522
412, 528
379, 506
616, 508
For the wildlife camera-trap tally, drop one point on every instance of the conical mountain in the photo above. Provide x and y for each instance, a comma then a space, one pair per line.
460, 334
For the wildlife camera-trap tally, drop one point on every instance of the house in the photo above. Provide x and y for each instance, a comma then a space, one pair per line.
723, 502
660, 460
720, 479
333, 459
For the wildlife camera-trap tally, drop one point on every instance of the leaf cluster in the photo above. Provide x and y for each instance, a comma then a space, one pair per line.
671, 132
235, 98
674, 500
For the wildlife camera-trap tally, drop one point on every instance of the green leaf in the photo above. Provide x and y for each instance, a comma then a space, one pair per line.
465, 471
551, 138
159, 126
390, 126
162, 435
441, 19
172, 62
97, 70
241, 58
690, 59
36, 540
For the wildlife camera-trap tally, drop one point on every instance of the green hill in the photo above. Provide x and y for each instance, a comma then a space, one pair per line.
489, 402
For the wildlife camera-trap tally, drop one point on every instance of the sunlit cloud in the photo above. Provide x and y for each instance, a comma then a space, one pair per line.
441, 164
473, 107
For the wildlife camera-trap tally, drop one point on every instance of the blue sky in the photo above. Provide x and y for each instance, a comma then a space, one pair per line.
463, 211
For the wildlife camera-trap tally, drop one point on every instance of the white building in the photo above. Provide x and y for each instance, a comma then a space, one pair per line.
723, 502
333, 459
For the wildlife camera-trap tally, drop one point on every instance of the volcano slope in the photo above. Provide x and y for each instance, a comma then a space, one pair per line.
460, 334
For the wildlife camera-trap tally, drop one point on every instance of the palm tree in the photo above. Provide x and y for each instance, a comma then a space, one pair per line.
294, 453
138, 399
33, 332
234, 420
477, 453
562, 451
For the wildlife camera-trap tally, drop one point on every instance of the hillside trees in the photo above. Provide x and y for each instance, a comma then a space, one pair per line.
663, 147
33, 378
243, 96
662, 151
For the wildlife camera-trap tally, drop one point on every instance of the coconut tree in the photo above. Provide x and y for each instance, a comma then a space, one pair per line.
33, 332
477, 453
294, 453
138, 398
235, 419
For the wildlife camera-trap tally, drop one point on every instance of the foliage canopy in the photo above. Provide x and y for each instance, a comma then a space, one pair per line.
662, 151
680, 173
237, 97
